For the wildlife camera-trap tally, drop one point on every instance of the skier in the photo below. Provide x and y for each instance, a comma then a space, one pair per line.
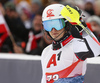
64, 61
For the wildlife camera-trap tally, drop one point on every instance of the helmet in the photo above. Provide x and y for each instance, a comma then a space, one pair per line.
52, 18
52, 12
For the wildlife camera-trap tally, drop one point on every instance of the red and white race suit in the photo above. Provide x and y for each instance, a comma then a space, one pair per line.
69, 60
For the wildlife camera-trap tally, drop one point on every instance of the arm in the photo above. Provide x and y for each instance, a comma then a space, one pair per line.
84, 41
43, 80
95, 47
85, 49
91, 42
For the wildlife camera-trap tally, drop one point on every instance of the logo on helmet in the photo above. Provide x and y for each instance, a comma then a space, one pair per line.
49, 13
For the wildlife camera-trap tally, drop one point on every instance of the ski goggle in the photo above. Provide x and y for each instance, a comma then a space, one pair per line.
58, 24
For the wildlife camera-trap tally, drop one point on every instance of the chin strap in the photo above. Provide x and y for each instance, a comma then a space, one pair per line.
47, 33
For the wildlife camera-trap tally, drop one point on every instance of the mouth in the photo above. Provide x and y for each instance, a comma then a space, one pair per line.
55, 34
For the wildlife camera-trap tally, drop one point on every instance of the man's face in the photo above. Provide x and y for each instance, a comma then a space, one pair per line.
97, 9
37, 23
57, 34
11, 13
89, 6
35, 8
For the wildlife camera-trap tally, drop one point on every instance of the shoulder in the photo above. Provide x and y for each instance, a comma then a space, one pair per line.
45, 51
79, 45
78, 41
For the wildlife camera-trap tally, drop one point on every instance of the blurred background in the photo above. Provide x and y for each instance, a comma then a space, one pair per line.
21, 29
22, 39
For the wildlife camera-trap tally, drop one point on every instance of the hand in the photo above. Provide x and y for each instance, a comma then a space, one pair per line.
80, 29
17, 49
75, 32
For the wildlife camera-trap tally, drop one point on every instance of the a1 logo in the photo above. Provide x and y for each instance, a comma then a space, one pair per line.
53, 59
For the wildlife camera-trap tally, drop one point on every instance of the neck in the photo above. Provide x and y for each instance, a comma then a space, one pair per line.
63, 41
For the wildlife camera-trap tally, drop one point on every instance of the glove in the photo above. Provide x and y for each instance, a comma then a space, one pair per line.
80, 29
76, 29
75, 33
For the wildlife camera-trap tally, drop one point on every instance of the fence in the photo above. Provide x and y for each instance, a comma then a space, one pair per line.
22, 68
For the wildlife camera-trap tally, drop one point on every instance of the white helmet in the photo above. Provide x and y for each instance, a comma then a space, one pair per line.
52, 12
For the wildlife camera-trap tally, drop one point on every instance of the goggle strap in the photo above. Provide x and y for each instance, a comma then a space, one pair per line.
66, 21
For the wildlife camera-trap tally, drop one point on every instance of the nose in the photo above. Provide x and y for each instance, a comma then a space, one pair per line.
53, 30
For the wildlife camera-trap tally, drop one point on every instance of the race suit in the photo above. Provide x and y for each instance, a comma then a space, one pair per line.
65, 62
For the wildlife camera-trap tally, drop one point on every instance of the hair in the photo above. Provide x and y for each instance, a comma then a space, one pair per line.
10, 5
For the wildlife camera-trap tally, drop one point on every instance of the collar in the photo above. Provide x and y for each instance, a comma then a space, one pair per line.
59, 44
